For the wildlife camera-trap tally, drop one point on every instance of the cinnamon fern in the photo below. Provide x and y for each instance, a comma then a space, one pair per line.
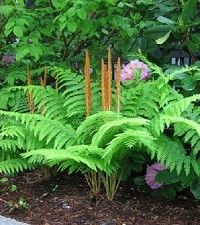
112, 142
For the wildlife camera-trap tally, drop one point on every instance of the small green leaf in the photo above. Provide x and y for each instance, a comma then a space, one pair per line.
189, 83
195, 189
189, 11
121, 5
4, 180
105, 31
82, 14
6, 9
21, 52
163, 39
22, 203
169, 193
8, 27
165, 20
13, 188
131, 31
56, 3
167, 177
140, 181
18, 31
72, 26
145, 2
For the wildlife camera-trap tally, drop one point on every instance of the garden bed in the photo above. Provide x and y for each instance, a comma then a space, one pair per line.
66, 200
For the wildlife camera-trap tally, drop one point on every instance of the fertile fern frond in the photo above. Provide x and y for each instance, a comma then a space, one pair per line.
88, 127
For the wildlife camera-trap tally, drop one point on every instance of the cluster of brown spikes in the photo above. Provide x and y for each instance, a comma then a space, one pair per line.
43, 83
106, 83
88, 92
30, 95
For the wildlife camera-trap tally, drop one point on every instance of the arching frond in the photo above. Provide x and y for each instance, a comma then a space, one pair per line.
108, 131
80, 157
88, 128
15, 165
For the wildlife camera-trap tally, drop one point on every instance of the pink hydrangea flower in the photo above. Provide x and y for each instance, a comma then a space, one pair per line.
151, 173
129, 70
8, 59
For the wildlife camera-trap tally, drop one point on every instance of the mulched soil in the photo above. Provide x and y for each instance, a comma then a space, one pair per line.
66, 200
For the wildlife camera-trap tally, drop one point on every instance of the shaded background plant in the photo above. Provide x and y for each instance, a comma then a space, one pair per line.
69, 27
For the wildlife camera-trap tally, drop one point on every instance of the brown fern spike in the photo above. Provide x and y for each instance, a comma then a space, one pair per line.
88, 93
106, 87
56, 84
45, 76
30, 96
42, 84
109, 79
103, 99
118, 86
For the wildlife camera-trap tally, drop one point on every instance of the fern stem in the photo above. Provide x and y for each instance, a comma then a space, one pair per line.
30, 96
42, 84
88, 93
45, 76
103, 86
56, 84
111, 184
93, 180
118, 86
109, 79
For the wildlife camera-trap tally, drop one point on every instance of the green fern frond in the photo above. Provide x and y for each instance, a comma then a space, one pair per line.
11, 166
88, 128
147, 99
107, 131
190, 129
9, 145
191, 124
172, 154
176, 108
173, 74
12, 132
130, 140
46, 101
45, 128
81, 157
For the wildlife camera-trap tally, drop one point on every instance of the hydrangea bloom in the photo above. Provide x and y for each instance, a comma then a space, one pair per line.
131, 68
151, 174
8, 59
